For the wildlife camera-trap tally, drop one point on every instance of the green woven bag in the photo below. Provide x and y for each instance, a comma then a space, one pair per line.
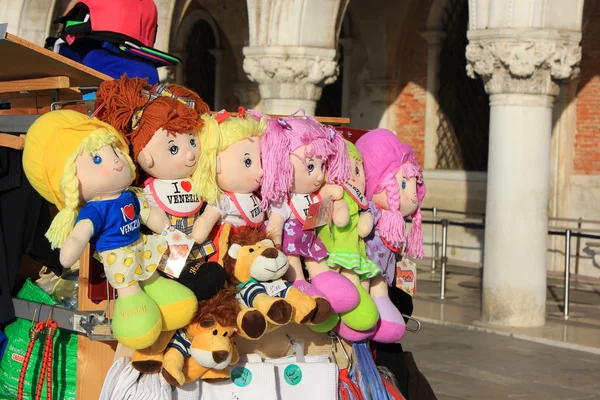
64, 357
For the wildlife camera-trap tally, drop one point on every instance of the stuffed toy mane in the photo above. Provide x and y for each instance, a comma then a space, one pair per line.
205, 348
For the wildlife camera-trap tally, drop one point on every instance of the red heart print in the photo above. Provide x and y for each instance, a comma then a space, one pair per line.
129, 211
186, 185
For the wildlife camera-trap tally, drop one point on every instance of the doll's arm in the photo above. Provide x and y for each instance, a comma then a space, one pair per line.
332, 191
275, 226
365, 224
155, 219
75, 245
341, 214
205, 223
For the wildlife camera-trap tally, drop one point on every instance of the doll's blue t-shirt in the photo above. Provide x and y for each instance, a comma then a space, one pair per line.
116, 222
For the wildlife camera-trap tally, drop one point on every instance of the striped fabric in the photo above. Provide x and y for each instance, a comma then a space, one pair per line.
181, 342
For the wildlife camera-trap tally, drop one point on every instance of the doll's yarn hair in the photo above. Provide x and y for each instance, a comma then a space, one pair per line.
64, 222
383, 157
217, 135
282, 137
353, 151
120, 99
222, 308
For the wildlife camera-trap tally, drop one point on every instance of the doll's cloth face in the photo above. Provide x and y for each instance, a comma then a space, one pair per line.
308, 171
170, 156
357, 175
409, 201
239, 169
103, 174
408, 195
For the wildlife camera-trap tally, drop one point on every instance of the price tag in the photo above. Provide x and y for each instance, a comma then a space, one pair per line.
180, 247
406, 276
319, 214
275, 287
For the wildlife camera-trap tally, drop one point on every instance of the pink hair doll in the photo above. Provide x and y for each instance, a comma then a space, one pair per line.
296, 153
395, 190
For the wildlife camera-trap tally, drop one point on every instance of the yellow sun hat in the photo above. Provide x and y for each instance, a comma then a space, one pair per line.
50, 141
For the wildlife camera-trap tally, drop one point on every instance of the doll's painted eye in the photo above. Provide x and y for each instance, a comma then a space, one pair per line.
356, 171
323, 167
97, 160
215, 332
248, 162
174, 149
193, 142
403, 184
115, 151
310, 167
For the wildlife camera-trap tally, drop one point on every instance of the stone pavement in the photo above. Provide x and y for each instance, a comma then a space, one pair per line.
466, 364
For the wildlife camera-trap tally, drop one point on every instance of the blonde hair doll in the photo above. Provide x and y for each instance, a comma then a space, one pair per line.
82, 166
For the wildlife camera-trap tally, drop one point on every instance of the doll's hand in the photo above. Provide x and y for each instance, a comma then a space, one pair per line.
365, 224
341, 215
75, 244
332, 191
204, 224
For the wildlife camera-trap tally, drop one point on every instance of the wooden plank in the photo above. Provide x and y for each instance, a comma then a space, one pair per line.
325, 120
94, 359
54, 82
30, 61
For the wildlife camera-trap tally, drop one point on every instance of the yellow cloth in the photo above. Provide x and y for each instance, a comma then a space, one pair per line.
50, 141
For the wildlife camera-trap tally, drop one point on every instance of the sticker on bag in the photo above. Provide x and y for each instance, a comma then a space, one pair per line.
292, 374
241, 376
406, 276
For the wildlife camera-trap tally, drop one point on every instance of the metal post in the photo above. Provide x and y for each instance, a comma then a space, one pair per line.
433, 240
444, 259
567, 272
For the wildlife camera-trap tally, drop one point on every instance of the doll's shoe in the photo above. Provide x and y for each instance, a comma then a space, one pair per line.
353, 335
204, 279
177, 303
327, 325
391, 326
338, 289
136, 321
365, 315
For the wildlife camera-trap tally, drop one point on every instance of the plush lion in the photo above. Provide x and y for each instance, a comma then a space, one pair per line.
204, 348
255, 266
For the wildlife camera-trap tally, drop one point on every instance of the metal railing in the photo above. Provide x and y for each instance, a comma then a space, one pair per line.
568, 233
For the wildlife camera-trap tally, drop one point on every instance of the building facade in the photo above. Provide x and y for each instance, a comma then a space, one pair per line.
497, 97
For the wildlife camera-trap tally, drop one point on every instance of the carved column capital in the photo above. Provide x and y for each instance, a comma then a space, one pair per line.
290, 72
523, 61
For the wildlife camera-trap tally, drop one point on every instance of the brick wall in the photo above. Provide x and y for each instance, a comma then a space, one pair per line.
587, 140
409, 107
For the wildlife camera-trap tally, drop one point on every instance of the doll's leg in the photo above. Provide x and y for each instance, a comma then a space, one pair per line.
136, 321
341, 293
391, 326
177, 303
365, 315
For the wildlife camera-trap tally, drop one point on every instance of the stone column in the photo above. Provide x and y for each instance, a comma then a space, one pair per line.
290, 77
519, 68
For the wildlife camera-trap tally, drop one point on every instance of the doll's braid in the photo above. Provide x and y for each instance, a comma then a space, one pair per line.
392, 225
62, 225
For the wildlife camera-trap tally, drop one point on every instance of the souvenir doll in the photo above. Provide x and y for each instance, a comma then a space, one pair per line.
296, 153
82, 166
395, 189
346, 248
161, 124
229, 174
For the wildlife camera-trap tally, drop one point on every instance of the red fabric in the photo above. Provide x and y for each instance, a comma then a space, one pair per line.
137, 19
